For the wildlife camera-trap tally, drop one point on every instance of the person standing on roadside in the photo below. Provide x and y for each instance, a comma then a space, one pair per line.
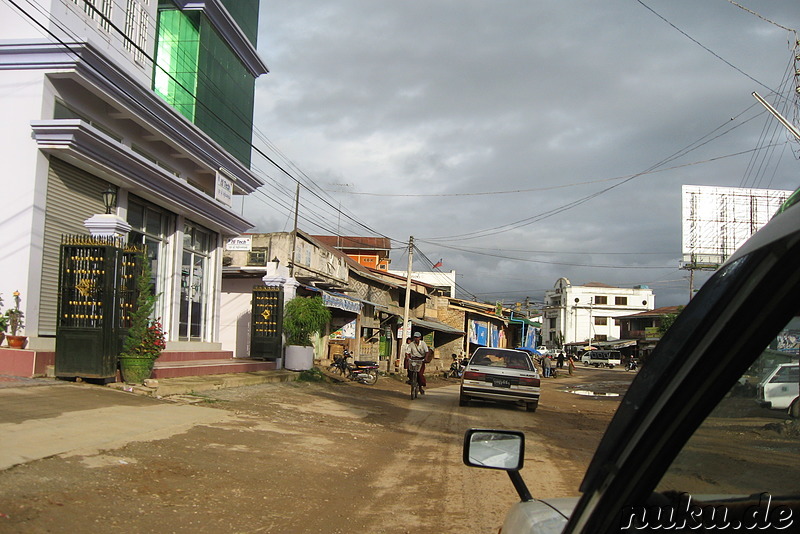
546, 365
571, 365
406, 355
418, 350
560, 360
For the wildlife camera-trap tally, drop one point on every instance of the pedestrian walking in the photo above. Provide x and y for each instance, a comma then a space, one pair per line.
571, 365
560, 360
547, 365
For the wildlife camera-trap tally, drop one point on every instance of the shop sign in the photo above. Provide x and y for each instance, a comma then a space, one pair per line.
239, 243
332, 301
224, 190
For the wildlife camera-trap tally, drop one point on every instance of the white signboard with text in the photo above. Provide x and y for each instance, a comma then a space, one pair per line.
239, 243
224, 190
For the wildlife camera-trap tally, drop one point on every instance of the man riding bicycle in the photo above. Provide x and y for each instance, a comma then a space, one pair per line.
418, 350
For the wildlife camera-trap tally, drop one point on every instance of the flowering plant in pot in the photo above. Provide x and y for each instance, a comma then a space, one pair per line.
146, 338
3, 323
302, 318
14, 317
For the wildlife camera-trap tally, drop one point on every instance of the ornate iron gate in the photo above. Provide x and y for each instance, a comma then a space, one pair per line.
267, 323
96, 297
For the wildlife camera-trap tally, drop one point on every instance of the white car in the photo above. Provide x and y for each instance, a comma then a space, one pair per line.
781, 387
501, 375
683, 452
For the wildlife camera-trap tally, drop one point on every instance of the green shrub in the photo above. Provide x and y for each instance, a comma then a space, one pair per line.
312, 375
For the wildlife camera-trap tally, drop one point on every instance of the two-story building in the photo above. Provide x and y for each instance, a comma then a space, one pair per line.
590, 312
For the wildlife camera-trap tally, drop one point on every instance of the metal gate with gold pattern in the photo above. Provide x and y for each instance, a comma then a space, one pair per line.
97, 292
267, 323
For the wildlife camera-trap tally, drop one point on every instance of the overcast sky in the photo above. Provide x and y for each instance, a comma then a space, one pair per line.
520, 141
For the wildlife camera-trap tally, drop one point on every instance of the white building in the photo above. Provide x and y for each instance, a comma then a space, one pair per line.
574, 314
446, 282
153, 99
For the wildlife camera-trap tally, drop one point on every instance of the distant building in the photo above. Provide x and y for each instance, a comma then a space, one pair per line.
371, 252
645, 327
591, 312
445, 283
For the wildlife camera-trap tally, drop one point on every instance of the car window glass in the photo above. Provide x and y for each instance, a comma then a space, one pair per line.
498, 358
787, 375
743, 448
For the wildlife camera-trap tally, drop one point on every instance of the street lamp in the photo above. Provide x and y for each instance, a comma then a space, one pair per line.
110, 199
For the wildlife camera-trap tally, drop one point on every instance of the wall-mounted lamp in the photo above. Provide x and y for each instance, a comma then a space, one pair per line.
110, 199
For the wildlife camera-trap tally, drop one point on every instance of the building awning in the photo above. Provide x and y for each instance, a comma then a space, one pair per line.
336, 300
332, 299
616, 344
431, 324
481, 313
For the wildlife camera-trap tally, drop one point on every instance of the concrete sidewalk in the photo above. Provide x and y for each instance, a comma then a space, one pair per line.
43, 417
187, 385
65, 418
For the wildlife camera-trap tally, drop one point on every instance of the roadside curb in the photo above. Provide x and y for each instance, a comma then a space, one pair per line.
165, 387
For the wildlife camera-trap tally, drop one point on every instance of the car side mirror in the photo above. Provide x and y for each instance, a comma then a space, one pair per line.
494, 449
498, 449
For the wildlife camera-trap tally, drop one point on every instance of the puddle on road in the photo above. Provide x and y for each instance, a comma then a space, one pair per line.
587, 393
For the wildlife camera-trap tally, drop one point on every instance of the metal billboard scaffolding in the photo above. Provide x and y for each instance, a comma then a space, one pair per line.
717, 220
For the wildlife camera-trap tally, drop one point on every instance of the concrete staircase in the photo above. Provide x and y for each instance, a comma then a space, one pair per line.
175, 364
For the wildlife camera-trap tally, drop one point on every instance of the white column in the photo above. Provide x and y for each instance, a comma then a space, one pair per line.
107, 225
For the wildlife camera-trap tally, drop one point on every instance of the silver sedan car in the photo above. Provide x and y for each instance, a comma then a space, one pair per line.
502, 375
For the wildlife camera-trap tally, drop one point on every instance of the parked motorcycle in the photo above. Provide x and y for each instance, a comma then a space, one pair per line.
362, 372
456, 368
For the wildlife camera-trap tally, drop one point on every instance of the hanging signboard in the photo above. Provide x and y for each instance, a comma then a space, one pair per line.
223, 190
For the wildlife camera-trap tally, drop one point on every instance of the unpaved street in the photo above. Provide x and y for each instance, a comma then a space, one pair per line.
316, 457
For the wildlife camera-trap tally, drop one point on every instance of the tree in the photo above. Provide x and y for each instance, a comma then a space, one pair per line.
667, 320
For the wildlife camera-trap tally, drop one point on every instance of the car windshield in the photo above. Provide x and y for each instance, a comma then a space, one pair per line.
501, 358
743, 448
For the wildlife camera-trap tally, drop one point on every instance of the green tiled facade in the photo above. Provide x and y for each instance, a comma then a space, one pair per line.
202, 78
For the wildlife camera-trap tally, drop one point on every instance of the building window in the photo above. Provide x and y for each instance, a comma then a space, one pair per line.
137, 24
552, 323
621, 301
600, 299
197, 247
150, 227
97, 10
601, 321
617, 322
601, 338
257, 258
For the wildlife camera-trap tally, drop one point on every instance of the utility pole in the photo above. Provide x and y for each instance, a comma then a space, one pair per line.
408, 298
789, 126
294, 232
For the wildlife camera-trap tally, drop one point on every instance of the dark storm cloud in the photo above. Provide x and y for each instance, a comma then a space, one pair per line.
452, 97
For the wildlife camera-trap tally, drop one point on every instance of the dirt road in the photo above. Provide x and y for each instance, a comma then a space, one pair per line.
317, 457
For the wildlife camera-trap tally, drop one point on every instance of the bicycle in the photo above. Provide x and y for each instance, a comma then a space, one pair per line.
414, 367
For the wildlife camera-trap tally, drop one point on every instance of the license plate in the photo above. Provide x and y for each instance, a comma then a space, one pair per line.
501, 383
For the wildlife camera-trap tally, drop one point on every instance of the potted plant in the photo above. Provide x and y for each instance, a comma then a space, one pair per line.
303, 317
3, 323
146, 338
14, 317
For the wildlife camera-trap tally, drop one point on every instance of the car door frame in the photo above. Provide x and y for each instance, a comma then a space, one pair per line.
713, 341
